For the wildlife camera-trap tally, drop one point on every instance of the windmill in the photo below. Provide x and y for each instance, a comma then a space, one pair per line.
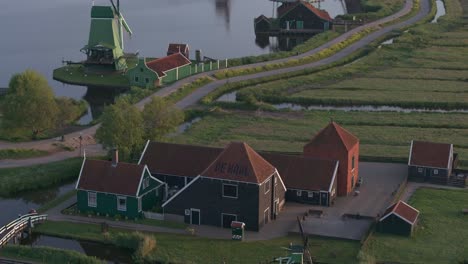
106, 43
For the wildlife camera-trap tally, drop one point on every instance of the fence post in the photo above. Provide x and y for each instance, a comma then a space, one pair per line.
211, 65
196, 68
218, 65
203, 67
226, 62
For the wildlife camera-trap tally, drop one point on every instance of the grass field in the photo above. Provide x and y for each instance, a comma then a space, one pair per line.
46, 255
21, 153
386, 134
440, 237
191, 249
15, 180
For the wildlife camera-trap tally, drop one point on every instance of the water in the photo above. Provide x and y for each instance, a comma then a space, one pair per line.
440, 10
10, 208
184, 126
365, 108
229, 97
388, 42
111, 254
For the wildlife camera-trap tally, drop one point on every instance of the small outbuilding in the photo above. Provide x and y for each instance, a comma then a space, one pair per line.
111, 188
400, 218
302, 15
179, 48
430, 162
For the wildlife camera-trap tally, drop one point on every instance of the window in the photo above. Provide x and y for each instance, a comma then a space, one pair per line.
267, 186
122, 203
146, 80
139, 204
299, 193
310, 194
436, 172
136, 78
145, 183
420, 170
92, 199
352, 163
230, 190
141, 69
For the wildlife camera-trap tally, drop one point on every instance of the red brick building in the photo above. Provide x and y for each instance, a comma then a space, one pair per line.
335, 143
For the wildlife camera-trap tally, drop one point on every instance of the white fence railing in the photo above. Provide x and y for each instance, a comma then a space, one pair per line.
18, 225
155, 216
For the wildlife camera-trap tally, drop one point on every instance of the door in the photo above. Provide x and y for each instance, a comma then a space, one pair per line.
300, 24
227, 219
195, 216
427, 174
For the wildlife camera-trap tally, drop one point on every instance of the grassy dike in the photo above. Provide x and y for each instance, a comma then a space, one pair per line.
192, 249
15, 180
46, 255
21, 153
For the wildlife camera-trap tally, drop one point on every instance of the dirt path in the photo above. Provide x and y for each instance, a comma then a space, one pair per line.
193, 98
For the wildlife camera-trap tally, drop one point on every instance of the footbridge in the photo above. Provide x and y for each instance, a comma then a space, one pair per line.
19, 225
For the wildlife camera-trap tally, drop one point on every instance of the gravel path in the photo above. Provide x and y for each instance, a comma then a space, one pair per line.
193, 98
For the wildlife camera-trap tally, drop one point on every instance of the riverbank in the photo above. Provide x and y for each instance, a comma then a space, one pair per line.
46, 255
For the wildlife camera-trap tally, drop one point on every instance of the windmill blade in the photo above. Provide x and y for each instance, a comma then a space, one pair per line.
115, 8
126, 26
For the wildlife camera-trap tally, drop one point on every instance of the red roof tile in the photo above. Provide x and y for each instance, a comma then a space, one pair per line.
286, 7
167, 63
402, 210
334, 134
239, 162
101, 176
303, 173
178, 160
430, 154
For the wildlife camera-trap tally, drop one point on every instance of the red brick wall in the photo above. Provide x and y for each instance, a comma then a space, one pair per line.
344, 175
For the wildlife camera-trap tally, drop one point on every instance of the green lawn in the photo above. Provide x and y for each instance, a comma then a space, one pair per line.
192, 249
15, 180
46, 255
75, 74
21, 153
381, 134
441, 235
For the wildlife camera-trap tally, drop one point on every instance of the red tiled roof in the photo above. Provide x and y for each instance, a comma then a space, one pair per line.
285, 8
430, 154
167, 63
239, 162
101, 176
334, 134
178, 160
303, 173
402, 210
176, 48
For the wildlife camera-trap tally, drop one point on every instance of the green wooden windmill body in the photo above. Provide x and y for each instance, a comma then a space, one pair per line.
105, 44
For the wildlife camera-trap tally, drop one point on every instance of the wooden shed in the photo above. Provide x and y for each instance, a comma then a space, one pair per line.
400, 218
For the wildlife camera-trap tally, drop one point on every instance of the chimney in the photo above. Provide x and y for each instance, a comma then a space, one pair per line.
115, 157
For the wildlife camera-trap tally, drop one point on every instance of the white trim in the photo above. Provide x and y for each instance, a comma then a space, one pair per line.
145, 169
140, 205
152, 177
118, 204
95, 200
269, 218
334, 176
232, 197
399, 216
268, 177
281, 180
267, 184
181, 190
310, 194
393, 212
450, 156
415, 165
410, 153
199, 215
81, 171
222, 214
299, 193
144, 151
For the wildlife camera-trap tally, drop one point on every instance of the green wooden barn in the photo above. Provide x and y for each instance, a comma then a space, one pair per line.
112, 188
399, 218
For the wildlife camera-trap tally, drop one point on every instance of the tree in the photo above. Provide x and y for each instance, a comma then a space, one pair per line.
69, 110
121, 128
30, 104
160, 118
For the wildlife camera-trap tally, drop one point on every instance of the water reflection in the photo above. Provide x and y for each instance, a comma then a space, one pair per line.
99, 97
279, 43
223, 9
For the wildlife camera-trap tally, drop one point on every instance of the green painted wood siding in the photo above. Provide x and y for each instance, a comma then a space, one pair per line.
106, 204
141, 75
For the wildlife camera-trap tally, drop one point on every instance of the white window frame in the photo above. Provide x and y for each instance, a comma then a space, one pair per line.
310, 194
227, 196
95, 199
140, 204
146, 183
436, 172
199, 215
267, 186
420, 170
119, 208
353, 163
299, 193
157, 192
222, 214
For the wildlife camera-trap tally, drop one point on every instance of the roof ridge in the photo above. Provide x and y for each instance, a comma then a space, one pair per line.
248, 150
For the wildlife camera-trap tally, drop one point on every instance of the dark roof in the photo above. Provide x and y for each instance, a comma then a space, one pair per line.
262, 17
334, 135
176, 48
101, 176
430, 154
102, 12
239, 162
402, 210
179, 160
303, 173
167, 63
285, 8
